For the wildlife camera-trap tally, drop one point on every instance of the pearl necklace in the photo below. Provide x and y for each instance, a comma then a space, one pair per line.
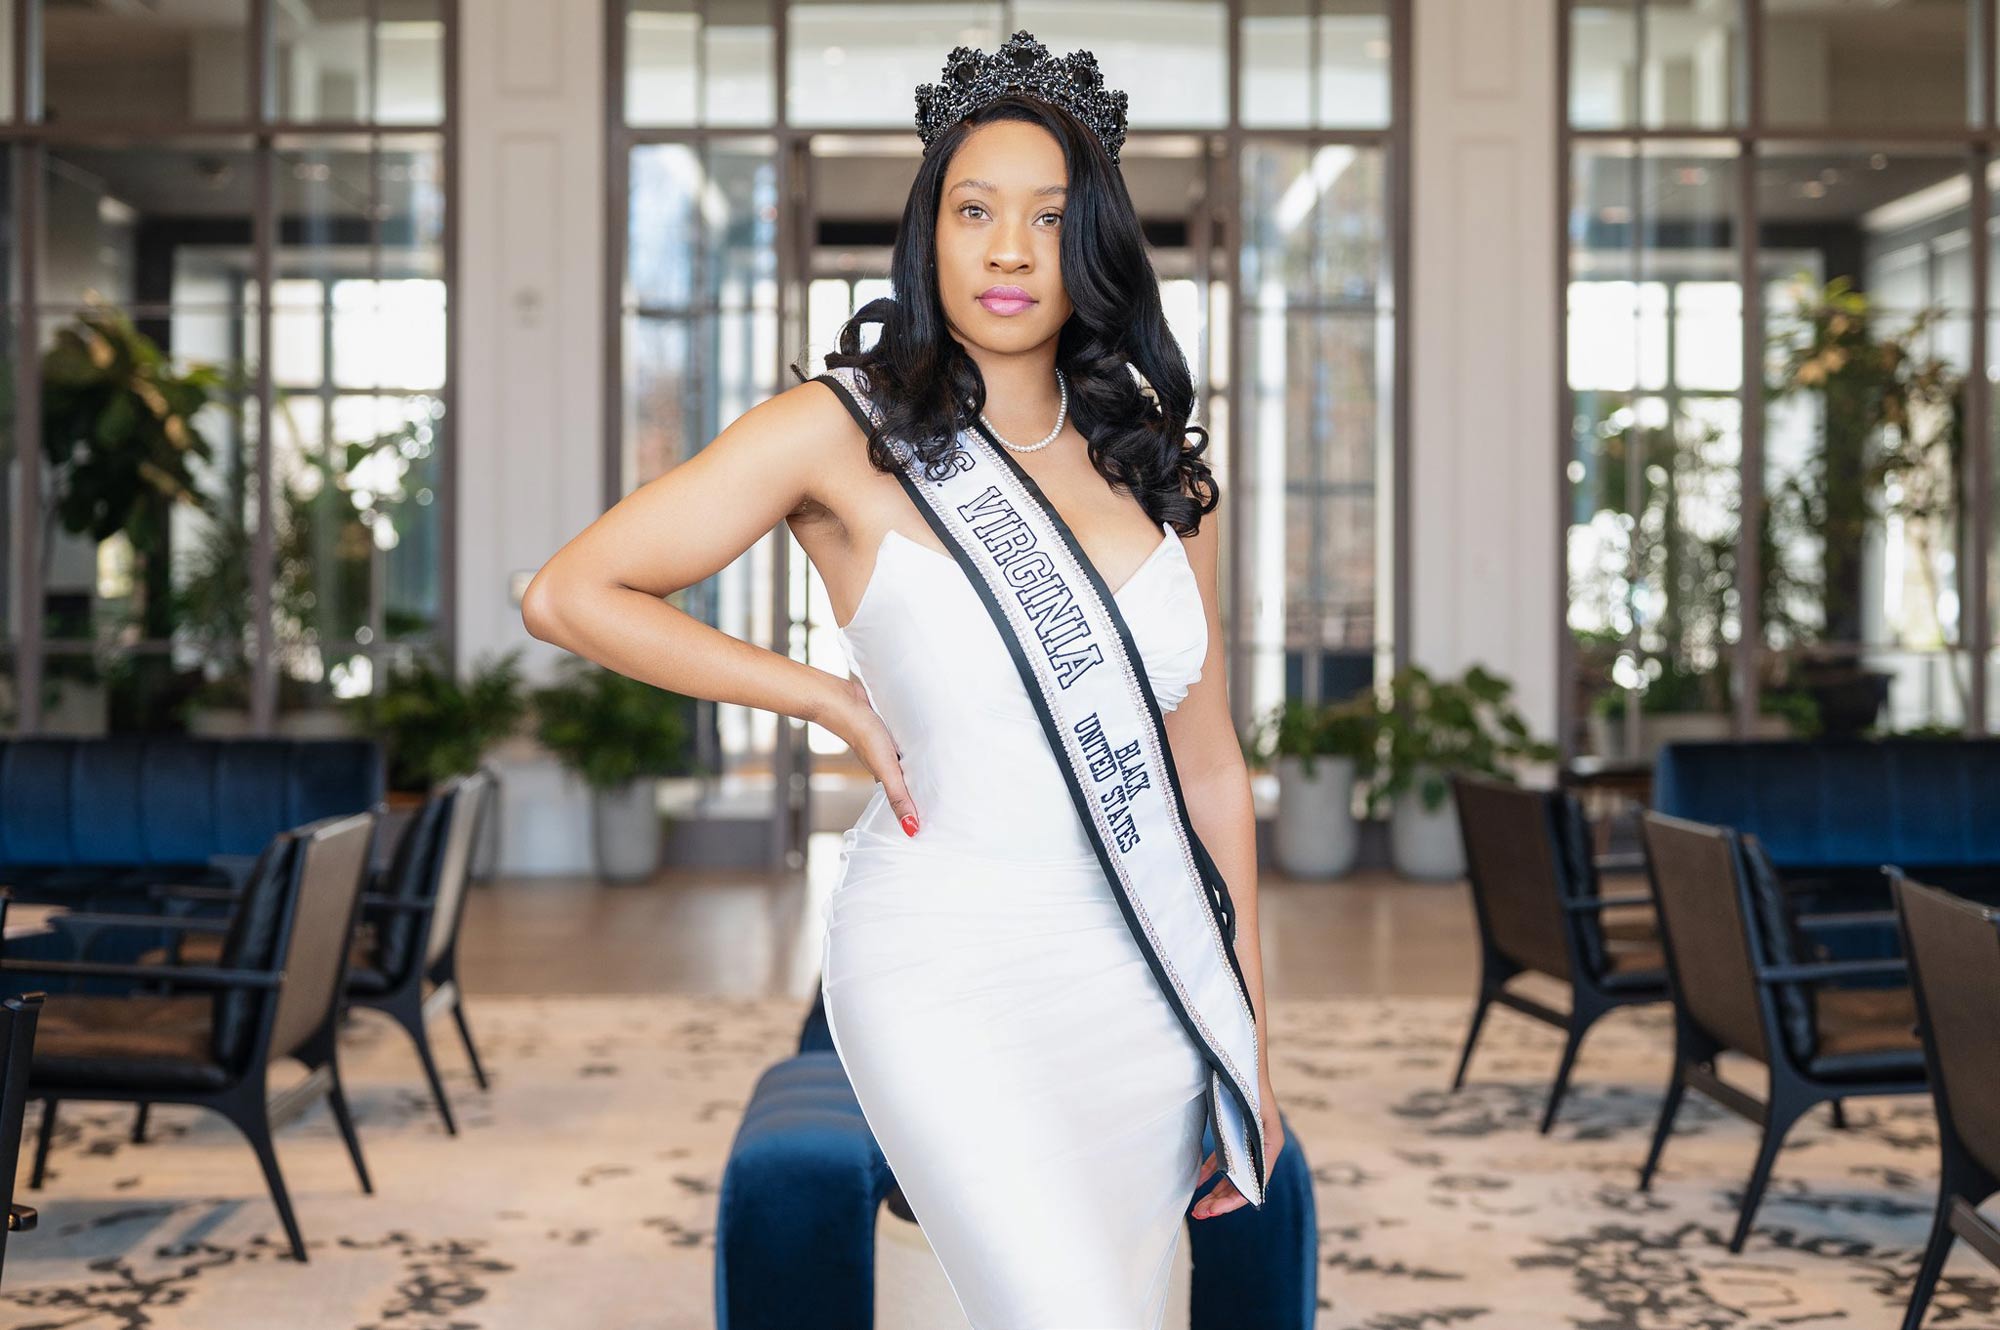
1062, 414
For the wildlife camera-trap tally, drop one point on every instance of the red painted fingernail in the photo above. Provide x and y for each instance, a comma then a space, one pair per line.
909, 824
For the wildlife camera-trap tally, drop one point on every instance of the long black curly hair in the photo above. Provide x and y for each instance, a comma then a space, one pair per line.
929, 389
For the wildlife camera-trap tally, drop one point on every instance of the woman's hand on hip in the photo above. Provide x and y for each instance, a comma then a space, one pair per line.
858, 723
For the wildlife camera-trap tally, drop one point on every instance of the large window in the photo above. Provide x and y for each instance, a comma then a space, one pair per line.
1777, 373
226, 432
762, 204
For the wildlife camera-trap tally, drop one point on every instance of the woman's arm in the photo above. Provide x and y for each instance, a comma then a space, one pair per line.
1216, 784
601, 595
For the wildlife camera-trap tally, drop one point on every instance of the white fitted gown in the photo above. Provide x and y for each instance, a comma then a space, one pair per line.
1040, 1103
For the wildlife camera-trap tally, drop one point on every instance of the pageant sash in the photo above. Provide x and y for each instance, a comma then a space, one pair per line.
1082, 671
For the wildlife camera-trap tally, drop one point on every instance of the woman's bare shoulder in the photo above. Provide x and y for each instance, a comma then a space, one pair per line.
808, 414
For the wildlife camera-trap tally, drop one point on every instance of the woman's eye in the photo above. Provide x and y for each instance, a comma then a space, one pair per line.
971, 209
1050, 216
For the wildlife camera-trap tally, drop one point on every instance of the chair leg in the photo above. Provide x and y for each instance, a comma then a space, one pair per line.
465, 1036
1935, 1252
411, 1017
1779, 1115
48, 1131
1670, 1108
256, 1126
1579, 1026
1479, 1011
336, 1099
139, 1124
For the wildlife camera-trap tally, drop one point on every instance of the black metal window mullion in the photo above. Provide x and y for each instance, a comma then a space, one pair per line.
263, 562
31, 599
1976, 621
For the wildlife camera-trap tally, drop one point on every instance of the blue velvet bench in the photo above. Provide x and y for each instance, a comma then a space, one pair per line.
805, 1182
1830, 814
94, 823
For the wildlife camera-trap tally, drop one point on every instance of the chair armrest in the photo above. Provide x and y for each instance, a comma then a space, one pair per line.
1591, 903
21, 1218
1806, 973
234, 867
194, 891
376, 901
189, 922
1632, 861
190, 976
1849, 919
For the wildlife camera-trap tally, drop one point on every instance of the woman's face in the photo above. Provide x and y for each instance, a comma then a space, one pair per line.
999, 238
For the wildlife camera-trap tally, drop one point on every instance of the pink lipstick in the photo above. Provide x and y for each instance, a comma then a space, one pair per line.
1005, 301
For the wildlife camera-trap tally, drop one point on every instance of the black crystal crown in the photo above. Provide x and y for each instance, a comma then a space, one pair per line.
972, 78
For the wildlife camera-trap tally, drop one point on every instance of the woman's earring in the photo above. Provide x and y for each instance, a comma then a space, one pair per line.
1146, 388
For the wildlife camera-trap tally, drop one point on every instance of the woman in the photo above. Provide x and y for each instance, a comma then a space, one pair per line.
1028, 1050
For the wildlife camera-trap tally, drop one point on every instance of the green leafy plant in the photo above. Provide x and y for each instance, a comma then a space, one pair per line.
1892, 442
1656, 564
336, 510
118, 427
119, 435
341, 507
611, 729
1431, 727
1348, 728
435, 727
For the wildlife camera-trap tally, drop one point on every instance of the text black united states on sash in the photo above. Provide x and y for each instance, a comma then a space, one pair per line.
1082, 671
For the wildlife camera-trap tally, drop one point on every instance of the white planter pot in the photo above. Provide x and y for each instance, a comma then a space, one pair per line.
1316, 833
625, 831
1425, 844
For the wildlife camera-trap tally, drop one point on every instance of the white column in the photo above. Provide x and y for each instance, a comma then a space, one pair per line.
1484, 438
530, 427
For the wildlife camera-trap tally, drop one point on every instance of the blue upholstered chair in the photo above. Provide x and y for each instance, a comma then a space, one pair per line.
805, 1183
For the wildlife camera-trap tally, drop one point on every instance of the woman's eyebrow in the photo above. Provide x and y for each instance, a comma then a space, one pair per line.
990, 186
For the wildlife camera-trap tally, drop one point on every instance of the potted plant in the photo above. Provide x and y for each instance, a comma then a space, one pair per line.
618, 734
1321, 751
1891, 443
433, 727
1429, 729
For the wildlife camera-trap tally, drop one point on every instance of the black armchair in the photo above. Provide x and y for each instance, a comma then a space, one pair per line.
18, 1016
404, 959
1953, 947
1535, 893
1740, 986
272, 993
411, 970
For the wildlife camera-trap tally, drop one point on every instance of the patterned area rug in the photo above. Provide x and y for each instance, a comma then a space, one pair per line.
581, 1192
